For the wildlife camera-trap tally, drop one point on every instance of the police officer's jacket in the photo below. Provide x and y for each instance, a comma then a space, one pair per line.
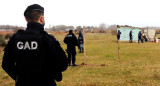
34, 58
71, 41
80, 38
118, 33
130, 34
140, 34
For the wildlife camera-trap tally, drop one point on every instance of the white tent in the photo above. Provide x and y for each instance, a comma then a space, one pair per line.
150, 34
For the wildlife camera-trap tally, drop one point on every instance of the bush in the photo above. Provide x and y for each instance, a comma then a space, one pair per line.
1, 36
2, 42
7, 36
102, 31
114, 32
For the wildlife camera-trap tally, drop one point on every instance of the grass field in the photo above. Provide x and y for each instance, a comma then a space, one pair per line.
139, 64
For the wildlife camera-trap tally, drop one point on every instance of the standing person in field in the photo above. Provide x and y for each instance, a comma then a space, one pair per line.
71, 41
140, 37
130, 37
118, 35
80, 42
32, 56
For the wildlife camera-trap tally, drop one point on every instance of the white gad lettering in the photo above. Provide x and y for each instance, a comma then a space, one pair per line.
69, 35
20, 45
32, 46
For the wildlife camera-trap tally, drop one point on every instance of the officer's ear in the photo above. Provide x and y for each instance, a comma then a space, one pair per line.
41, 19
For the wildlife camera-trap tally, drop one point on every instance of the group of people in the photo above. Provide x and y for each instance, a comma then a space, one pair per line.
33, 57
72, 41
140, 36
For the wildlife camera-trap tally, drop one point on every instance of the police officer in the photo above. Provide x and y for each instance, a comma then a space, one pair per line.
80, 42
71, 41
33, 57
130, 36
140, 37
118, 35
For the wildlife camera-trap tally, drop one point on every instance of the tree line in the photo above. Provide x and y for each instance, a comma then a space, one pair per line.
102, 26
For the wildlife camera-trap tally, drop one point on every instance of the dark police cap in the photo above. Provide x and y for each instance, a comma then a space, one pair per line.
34, 7
70, 31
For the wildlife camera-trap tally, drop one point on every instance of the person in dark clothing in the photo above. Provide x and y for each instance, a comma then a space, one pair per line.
80, 42
130, 37
71, 41
118, 35
32, 57
140, 37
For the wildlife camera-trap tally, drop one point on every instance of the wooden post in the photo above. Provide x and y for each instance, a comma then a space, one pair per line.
84, 47
118, 50
118, 44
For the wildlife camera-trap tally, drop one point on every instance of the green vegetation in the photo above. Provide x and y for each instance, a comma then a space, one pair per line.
2, 40
8, 36
139, 64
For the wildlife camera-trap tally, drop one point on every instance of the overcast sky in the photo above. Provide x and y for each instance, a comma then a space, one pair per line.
85, 12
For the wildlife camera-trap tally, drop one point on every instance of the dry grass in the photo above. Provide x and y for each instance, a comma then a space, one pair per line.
139, 64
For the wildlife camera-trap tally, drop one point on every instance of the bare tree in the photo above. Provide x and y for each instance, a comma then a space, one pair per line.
102, 26
112, 27
60, 27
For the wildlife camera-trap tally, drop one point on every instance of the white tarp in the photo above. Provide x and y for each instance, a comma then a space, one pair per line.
125, 33
150, 34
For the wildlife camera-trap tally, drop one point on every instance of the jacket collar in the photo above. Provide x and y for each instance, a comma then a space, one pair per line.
35, 26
